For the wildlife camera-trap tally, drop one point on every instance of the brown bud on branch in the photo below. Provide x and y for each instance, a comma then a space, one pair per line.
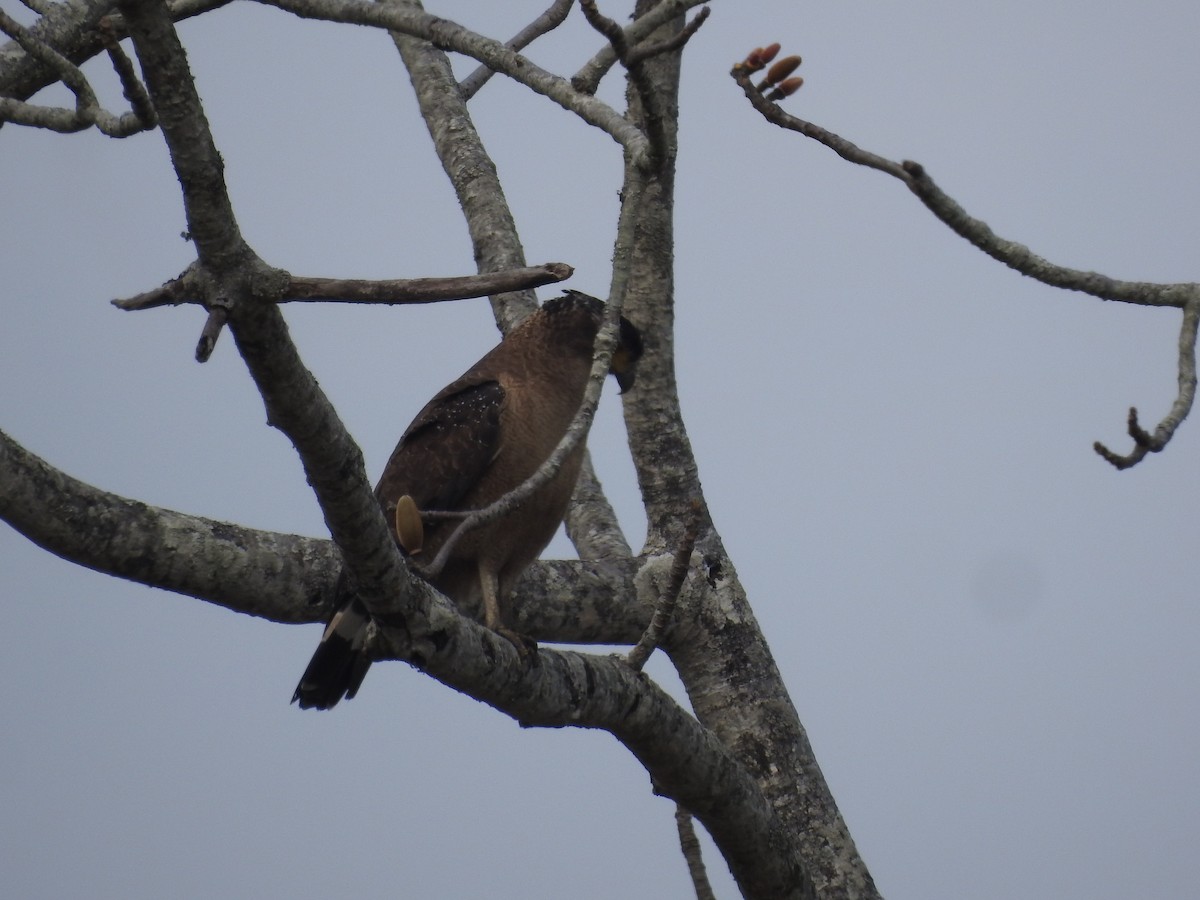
759, 57
786, 89
780, 71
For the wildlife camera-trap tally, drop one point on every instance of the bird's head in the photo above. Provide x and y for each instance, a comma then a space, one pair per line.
573, 305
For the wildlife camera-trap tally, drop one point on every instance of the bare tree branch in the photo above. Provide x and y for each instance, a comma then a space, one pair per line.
447, 35
1011, 253
588, 78
690, 845
664, 609
648, 49
232, 276
719, 651
394, 291
554, 16
1143, 442
426, 290
654, 117
1182, 295
74, 31
88, 111
281, 577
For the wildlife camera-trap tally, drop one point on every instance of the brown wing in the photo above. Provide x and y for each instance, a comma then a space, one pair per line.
446, 449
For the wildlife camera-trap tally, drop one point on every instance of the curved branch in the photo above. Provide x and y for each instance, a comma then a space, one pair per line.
654, 115
1012, 254
664, 607
447, 35
1181, 295
1144, 442
88, 111
74, 31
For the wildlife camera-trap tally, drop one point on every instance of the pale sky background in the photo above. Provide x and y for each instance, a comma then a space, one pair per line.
989, 633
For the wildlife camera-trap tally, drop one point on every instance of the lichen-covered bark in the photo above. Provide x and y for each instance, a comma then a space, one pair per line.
719, 651
283, 577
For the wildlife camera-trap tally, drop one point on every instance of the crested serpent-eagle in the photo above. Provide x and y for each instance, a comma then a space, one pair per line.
480, 437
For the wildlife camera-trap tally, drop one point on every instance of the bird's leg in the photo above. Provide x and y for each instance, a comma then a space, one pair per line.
489, 586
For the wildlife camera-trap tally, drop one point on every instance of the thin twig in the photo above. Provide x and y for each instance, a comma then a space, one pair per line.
675, 42
588, 78
1144, 442
664, 609
690, 845
217, 317
131, 86
651, 103
543, 24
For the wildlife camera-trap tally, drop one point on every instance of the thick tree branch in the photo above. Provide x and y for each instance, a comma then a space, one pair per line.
716, 645
686, 762
282, 577
234, 279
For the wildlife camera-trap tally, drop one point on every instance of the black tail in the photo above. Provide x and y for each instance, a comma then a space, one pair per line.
340, 663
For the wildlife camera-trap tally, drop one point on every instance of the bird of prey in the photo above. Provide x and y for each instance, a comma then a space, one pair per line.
479, 438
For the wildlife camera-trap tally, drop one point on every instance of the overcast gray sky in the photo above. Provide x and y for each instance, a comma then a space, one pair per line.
988, 632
